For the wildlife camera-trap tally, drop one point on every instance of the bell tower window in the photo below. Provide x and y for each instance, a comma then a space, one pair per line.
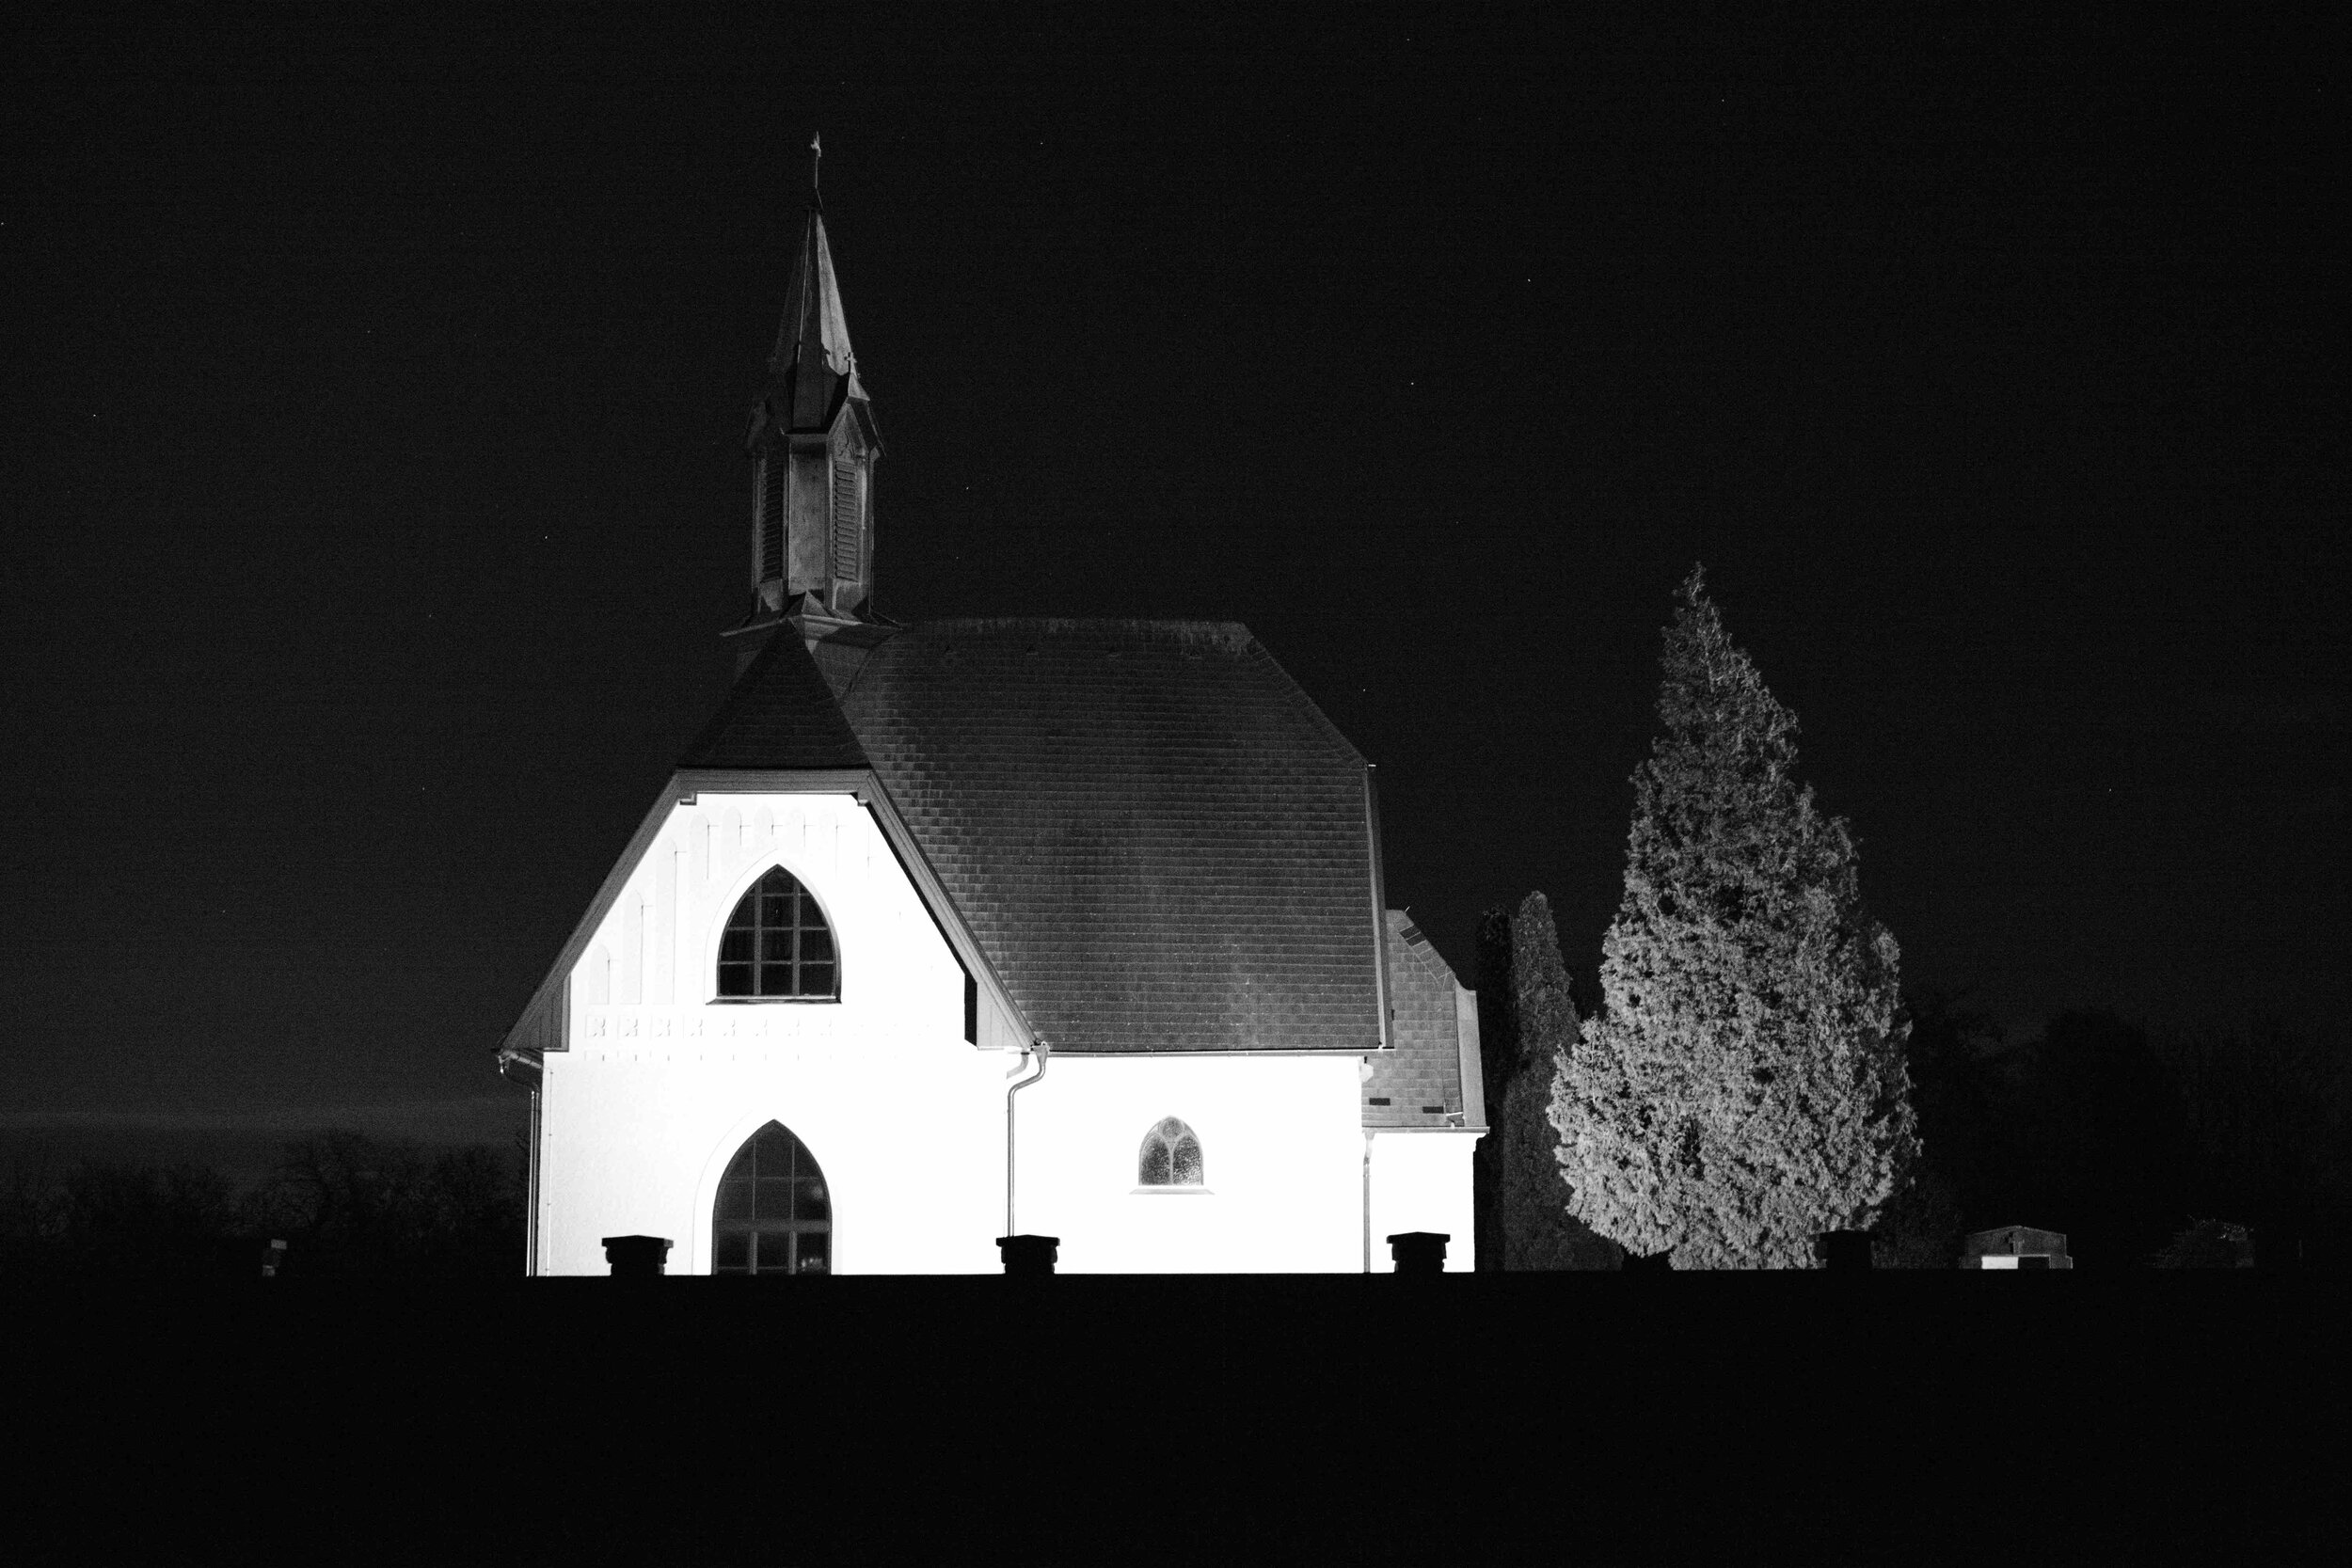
777, 943
849, 513
772, 516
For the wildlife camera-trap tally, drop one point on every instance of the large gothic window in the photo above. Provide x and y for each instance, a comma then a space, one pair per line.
773, 1215
777, 943
1170, 1156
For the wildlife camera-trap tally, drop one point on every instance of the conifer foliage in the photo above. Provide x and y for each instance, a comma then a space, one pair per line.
1744, 1089
1537, 1230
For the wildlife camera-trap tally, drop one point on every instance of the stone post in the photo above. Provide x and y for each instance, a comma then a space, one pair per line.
636, 1257
1419, 1251
1028, 1255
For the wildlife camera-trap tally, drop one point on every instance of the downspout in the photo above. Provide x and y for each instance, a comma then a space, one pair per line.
1042, 1052
531, 1214
1379, 966
527, 1068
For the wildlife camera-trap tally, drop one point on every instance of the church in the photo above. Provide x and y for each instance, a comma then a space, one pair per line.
972, 928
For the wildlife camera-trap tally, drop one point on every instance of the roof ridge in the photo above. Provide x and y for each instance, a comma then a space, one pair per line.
1057, 626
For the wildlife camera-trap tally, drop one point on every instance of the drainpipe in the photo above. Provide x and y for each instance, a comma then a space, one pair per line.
1367, 1203
1042, 1052
530, 1197
527, 1067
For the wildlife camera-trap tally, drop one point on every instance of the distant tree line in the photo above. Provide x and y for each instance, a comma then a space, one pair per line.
2145, 1148
345, 1204
2165, 1149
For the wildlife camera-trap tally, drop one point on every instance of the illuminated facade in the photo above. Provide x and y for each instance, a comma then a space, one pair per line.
942, 931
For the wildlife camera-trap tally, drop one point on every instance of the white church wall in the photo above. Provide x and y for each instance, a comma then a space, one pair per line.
1421, 1181
1283, 1150
661, 1082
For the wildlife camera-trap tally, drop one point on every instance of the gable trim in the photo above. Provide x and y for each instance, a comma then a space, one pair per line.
545, 1021
942, 909
866, 787
1466, 1042
687, 782
1379, 908
1218, 1053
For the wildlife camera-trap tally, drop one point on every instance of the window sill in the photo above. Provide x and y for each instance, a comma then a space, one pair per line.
774, 1002
1170, 1192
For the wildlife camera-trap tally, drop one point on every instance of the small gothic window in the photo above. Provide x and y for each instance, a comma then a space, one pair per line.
1171, 1157
777, 943
773, 1215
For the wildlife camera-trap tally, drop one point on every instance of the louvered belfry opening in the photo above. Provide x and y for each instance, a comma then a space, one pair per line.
778, 944
847, 514
774, 1215
772, 469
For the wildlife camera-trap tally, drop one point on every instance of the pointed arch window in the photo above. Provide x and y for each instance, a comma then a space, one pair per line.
777, 944
774, 1215
1170, 1156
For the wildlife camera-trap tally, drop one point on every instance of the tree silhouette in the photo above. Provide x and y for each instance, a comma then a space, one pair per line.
1521, 966
2270, 1113
346, 1203
2103, 1145
350, 1204
1955, 1059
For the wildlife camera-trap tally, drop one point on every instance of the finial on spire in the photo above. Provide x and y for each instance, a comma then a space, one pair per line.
816, 155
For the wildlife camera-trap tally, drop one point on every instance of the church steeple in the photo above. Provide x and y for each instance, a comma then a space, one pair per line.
813, 443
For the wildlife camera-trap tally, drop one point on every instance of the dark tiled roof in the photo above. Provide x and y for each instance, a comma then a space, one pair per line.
1158, 840
1425, 1068
781, 715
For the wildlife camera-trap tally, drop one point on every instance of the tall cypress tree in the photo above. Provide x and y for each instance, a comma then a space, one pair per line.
1498, 1059
1538, 1230
1745, 1087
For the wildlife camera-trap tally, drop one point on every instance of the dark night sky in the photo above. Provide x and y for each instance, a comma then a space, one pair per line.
373, 484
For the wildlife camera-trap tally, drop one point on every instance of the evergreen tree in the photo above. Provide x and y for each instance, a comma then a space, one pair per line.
1538, 1232
1745, 1088
1498, 1059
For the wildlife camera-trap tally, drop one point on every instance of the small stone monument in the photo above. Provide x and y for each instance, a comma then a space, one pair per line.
2015, 1246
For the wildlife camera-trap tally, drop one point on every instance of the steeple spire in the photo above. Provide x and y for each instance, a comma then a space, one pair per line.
813, 443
